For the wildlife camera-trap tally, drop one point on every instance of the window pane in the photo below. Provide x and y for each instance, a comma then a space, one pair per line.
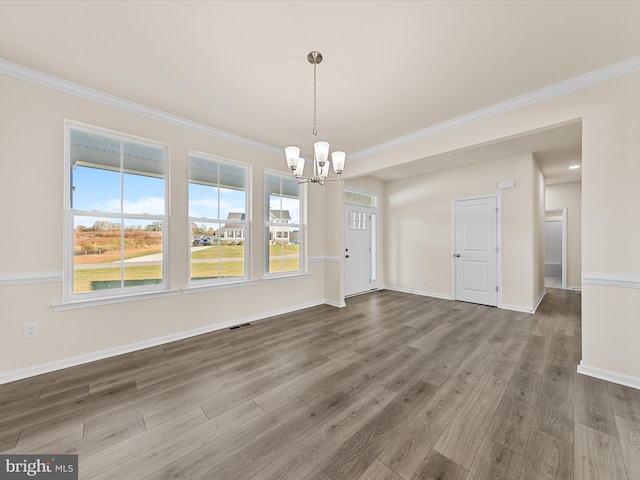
275, 252
232, 203
95, 171
283, 249
97, 253
203, 201
143, 194
218, 255
232, 176
291, 250
142, 252
95, 189
143, 179
272, 194
374, 247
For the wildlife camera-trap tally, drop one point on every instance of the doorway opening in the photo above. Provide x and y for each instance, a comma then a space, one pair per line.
555, 248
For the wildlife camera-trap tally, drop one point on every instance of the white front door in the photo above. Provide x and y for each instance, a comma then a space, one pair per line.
359, 250
476, 250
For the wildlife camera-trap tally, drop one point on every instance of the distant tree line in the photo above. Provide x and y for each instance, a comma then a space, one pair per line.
106, 226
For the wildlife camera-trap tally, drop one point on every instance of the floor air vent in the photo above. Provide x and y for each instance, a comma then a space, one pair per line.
235, 327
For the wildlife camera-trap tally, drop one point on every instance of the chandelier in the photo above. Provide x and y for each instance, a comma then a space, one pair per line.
320, 149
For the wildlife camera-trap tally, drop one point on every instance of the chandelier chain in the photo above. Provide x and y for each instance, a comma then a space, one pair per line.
315, 129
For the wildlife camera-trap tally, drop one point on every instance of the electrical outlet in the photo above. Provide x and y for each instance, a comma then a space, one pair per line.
31, 329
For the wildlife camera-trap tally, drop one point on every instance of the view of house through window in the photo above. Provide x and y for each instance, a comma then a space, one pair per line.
283, 224
116, 213
218, 218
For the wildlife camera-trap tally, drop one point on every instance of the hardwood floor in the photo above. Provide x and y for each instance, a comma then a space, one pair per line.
392, 387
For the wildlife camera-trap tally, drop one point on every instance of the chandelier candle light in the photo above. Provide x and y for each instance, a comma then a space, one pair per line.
320, 149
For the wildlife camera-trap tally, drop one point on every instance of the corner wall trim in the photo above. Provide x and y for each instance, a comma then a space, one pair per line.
55, 83
609, 72
6, 377
29, 278
609, 376
539, 301
623, 280
335, 304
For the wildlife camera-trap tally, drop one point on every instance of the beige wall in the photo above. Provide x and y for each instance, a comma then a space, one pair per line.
31, 193
569, 196
417, 232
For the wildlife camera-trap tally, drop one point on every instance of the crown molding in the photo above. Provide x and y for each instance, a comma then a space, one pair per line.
603, 74
55, 83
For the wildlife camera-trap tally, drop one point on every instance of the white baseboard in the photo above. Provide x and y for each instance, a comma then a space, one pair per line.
619, 378
518, 308
22, 373
335, 304
574, 289
418, 292
515, 308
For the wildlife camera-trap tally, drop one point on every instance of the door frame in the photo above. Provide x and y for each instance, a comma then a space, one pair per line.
372, 210
498, 198
564, 241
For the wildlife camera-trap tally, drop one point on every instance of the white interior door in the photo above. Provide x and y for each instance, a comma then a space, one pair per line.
476, 250
359, 250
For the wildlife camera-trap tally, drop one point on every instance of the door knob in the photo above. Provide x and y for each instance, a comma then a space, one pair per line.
457, 255
346, 256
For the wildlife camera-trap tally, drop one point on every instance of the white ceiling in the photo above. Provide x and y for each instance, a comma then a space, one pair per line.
389, 69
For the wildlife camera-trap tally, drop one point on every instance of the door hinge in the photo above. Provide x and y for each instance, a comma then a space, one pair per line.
496, 209
496, 249
496, 288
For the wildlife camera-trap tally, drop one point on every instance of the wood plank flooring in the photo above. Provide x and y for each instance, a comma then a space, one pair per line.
392, 387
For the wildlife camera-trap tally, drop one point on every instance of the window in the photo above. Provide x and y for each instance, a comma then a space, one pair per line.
283, 223
360, 198
357, 220
218, 219
116, 214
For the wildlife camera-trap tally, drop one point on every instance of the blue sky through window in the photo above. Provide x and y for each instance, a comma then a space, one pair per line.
99, 190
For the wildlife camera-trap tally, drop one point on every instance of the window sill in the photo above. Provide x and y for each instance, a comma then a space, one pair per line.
96, 302
217, 286
276, 278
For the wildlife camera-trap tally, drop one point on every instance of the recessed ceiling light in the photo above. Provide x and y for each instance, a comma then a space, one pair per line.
573, 167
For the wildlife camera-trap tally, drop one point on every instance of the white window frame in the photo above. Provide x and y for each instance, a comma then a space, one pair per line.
70, 296
247, 223
301, 228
